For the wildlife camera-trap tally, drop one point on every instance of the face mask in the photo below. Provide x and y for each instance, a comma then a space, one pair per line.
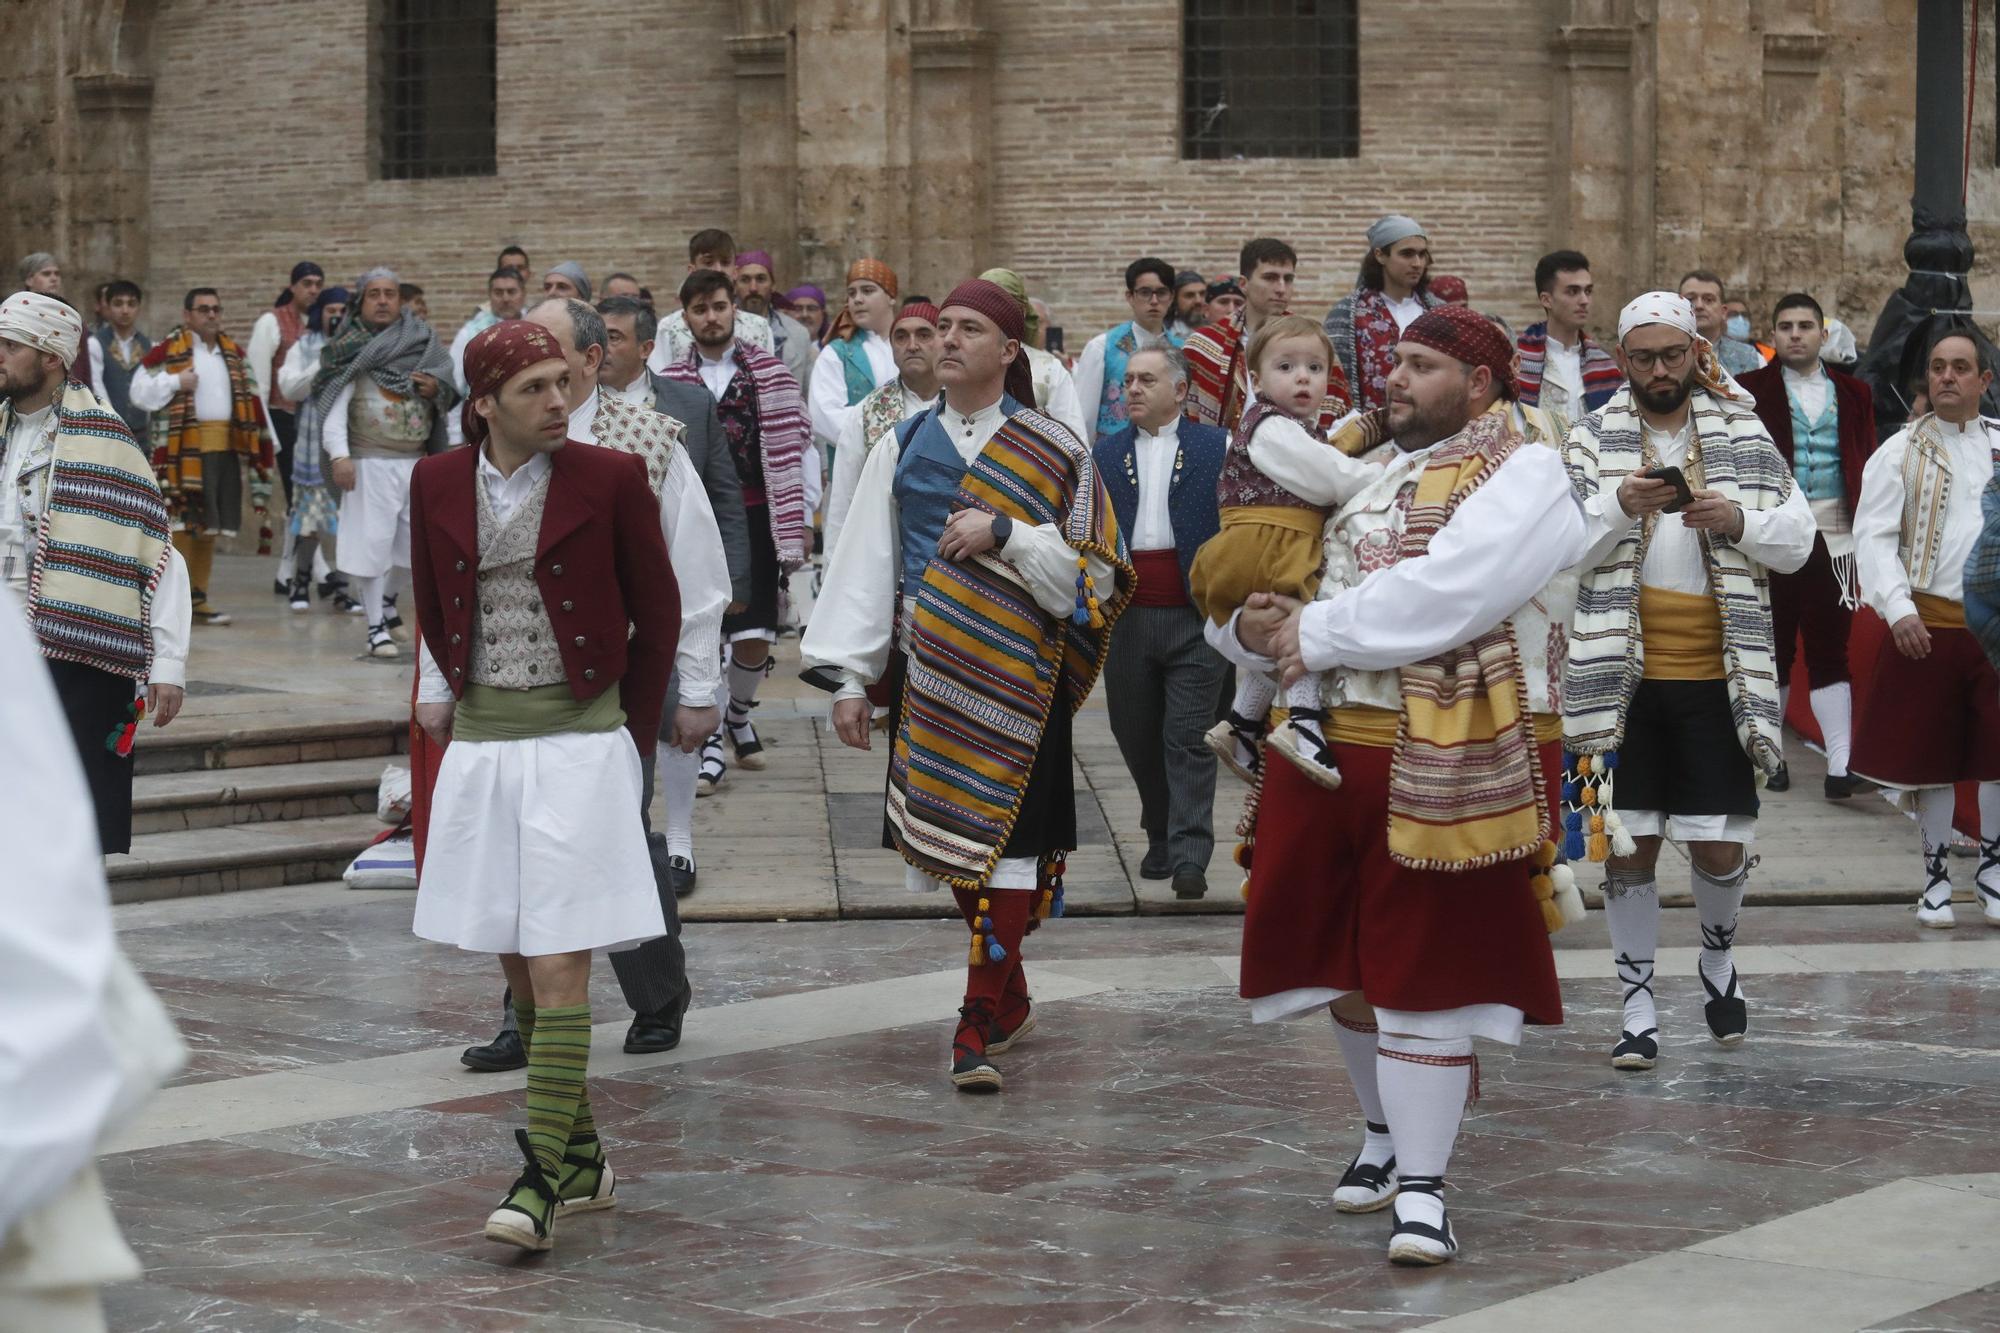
1739, 328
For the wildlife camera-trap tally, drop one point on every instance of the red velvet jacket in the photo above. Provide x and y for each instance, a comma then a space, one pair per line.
600, 563
1853, 400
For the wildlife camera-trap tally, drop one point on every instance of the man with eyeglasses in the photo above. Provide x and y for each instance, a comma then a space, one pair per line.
1100, 370
213, 424
1672, 684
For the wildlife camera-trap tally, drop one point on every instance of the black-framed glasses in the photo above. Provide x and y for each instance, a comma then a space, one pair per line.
1673, 358
206, 309
1151, 294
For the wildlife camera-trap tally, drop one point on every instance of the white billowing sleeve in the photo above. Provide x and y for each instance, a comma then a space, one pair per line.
694, 545
1781, 539
333, 430
812, 474
826, 397
1088, 378
96, 367
459, 342
1605, 525
1506, 541
258, 356
1064, 405
1048, 563
849, 453
172, 618
1307, 466
1878, 533
296, 376
59, 1069
431, 685
152, 389
853, 626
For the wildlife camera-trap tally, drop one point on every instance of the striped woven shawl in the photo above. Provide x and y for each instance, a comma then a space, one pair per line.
985, 658
102, 543
1465, 782
1601, 376
1738, 459
783, 433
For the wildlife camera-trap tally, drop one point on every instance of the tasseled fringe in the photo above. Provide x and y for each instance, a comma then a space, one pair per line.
1246, 831
119, 742
1847, 576
990, 949
1087, 612
1592, 830
1050, 901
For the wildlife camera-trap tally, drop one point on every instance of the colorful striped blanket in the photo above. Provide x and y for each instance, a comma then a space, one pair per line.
985, 658
1601, 376
102, 542
783, 435
1465, 783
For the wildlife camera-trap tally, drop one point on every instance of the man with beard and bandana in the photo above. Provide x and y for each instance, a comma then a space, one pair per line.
764, 420
1416, 901
755, 285
84, 543
1672, 680
384, 388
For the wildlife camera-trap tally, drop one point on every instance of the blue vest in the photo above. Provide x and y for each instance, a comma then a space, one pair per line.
118, 380
1191, 497
1119, 344
854, 364
1816, 451
928, 474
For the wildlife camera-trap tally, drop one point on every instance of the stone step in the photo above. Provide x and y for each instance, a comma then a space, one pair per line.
264, 739
238, 856
263, 793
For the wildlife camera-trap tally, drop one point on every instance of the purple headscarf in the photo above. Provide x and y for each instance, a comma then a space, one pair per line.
790, 299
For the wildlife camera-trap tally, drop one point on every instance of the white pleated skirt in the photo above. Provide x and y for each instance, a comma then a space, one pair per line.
536, 848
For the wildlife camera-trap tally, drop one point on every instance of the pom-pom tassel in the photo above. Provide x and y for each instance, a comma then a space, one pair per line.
119, 742
1621, 841
1573, 846
1568, 899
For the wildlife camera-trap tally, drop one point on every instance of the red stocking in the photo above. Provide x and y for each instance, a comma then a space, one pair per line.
1002, 919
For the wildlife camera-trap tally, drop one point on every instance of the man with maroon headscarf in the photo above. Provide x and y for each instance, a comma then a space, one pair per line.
549, 614
989, 521
1415, 902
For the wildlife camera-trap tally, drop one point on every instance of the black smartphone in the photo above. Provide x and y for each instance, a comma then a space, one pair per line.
1053, 342
1683, 497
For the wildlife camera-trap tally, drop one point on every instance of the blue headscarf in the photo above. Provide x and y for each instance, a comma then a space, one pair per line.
327, 296
303, 269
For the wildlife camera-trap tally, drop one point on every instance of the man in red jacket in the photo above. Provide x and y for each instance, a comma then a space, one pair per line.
1823, 422
549, 615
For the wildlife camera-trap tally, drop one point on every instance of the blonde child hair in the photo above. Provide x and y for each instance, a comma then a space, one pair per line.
1286, 326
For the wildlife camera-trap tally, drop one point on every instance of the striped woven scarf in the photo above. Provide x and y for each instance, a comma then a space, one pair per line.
176, 447
102, 543
1738, 459
985, 658
1465, 787
783, 432
1601, 376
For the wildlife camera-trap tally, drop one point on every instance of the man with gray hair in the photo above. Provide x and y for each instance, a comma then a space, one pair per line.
384, 388
1161, 679
41, 272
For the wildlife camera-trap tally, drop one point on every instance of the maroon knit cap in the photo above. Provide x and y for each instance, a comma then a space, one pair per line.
992, 301
1463, 334
496, 355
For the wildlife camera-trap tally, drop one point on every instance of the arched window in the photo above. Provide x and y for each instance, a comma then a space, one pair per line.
1269, 78
432, 105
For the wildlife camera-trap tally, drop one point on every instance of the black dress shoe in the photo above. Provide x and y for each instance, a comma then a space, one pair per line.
1780, 780
1842, 787
504, 1052
680, 874
1189, 882
1155, 864
654, 1034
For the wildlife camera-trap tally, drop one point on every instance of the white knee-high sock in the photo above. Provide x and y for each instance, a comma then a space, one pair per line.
372, 590
743, 684
1424, 1084
1833, 709
1254, 693
1935, 806
1357, 1048
1718, 900
1632, 910
1989, 811
1989, 835
676, 774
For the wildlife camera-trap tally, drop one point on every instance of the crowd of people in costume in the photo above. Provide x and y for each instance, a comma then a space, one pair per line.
1473, 614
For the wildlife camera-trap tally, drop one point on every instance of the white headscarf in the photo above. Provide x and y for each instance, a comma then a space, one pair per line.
1657, 308
43, 323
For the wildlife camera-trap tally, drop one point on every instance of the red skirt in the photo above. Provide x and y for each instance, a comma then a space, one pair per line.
1328, 908
1933, 721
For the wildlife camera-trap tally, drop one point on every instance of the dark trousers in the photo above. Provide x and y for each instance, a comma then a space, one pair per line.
96, 704
285, 425
1161, 681
1807, 603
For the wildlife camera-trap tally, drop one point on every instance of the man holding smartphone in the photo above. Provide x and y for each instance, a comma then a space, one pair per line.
1671, 681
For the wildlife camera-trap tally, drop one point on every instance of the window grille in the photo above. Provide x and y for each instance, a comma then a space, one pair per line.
1269, 78
434, 85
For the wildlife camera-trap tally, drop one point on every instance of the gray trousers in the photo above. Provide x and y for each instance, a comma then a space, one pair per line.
1161, 682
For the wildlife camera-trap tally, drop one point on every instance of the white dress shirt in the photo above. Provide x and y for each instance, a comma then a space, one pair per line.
505, 494
1154, 455
29, 452
154, 389
826, 400
1886, 585
672, 342
1811, 390
1406, 312
1779, 539
639, 391
716, 373
849, 453
853, 625
1563, 365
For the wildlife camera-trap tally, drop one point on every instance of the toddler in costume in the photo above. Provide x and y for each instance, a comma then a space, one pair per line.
1279, 482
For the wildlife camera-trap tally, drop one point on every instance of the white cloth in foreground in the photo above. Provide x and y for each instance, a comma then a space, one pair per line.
536, 848
374, 534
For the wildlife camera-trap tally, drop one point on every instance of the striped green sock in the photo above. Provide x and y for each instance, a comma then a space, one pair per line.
558, 1058
584, 1128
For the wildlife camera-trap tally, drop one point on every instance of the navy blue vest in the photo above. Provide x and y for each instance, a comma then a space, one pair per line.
928, 474
118, 380
1191, 502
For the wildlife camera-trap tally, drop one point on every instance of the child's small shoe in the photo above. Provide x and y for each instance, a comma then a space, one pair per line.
1300, 740
1236, 742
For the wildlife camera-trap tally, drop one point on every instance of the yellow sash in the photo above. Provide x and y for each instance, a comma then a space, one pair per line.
1939, 612
1362, 724
1683, 635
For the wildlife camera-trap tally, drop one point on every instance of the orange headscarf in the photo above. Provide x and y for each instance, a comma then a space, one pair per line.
863, 270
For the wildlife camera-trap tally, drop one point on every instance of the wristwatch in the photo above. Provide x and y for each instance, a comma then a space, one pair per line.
1003, 527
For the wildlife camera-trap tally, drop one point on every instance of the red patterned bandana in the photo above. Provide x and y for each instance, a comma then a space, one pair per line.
497, 355
923, 310
1464, 334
